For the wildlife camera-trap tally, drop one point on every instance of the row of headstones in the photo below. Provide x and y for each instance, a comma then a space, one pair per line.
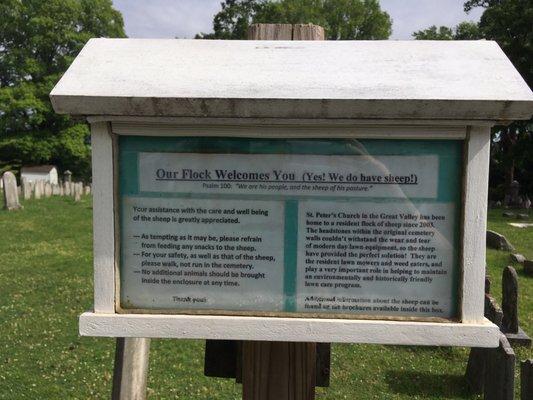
491, 372
497, 241
37, 190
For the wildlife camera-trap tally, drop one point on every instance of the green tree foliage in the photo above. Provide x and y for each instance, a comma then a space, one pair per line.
509, 23
464, 31
38, 41
342, 19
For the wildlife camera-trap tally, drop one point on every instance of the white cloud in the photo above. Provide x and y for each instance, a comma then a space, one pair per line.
185, 18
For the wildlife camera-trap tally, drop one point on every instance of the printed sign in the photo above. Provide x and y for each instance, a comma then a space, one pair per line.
372, 233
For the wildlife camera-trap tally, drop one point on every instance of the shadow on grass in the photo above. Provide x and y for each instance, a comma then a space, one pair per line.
434, 385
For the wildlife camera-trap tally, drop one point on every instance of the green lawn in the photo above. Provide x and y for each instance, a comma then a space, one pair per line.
45, 283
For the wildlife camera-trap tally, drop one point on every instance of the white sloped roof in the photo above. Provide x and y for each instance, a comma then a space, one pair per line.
294, 79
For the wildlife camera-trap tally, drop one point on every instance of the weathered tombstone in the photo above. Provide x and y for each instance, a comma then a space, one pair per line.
526, 380
499, 372
296, 147
66, 188
61, 190
513, 198
510, 300
56, 190
26, 188
87, 190
38, 189
498, 241
528, 267
11, 197
517, 258
477, 359
510, 325
67, 176
47, 189
77, 192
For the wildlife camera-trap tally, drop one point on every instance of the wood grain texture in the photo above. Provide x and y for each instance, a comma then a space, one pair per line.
475, 194
103, 218
270, 32
479, 334
278, 371
131, 369
294, 79
308, 32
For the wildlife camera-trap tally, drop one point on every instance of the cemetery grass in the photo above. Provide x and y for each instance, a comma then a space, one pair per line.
46, 282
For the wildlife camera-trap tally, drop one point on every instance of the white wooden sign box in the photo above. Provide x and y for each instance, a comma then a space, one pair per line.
372, 94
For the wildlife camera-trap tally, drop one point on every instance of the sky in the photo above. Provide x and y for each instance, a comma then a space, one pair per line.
185, 18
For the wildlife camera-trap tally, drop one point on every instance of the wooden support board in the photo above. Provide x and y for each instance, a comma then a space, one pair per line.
278, 371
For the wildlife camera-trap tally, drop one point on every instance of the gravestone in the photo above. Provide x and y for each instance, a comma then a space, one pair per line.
47, 189
499, 372
55, 190
510, 325
87, 190
26, 188
77, 191
38, 190
518, 258
513, 198
477, 359
498, 241
67, 175
11, 197
528, 267
66, 188
526, 380
61, 190
510, 300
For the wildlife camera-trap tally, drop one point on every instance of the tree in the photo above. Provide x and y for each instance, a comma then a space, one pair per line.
464, 31
38, 41
341, 19
508, 22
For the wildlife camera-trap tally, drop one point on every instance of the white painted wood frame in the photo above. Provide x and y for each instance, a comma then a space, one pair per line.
472, 330
103, 218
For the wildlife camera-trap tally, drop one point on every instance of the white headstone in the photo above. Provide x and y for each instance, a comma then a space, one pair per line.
66, 188
47, 189
87, 190
38, 190
78, 190
55, 190
11, 197
26, 188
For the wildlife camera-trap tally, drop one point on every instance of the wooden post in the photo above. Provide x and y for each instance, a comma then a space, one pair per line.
270, 32
280, 370
131, 369
307, 32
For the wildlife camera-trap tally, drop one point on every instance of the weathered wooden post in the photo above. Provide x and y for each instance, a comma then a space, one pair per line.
131, 369
259, 192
